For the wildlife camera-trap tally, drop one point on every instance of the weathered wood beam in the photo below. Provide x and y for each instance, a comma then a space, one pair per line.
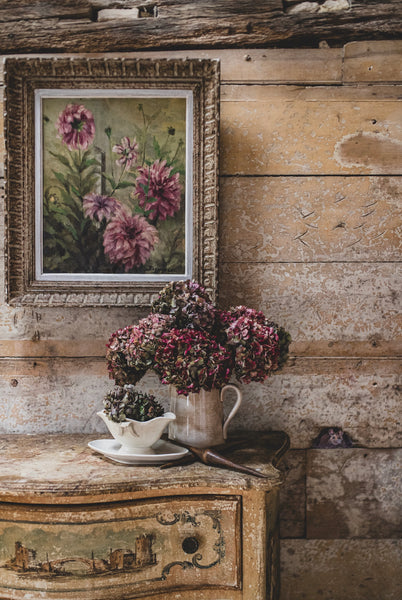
25, 10
91, 26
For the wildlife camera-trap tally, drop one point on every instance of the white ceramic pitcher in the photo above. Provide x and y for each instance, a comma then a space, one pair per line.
199, 416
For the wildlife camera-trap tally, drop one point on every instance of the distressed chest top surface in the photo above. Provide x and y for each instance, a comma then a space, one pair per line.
62, 469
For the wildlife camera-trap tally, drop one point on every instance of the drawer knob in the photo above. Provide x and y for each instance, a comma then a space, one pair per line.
190, 545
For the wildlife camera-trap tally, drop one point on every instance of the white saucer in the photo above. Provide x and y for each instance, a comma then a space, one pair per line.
163, 451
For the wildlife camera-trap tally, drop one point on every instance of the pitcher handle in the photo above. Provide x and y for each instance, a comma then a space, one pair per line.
235, 407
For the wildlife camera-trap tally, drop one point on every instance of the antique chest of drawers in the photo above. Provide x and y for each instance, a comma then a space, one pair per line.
76, 526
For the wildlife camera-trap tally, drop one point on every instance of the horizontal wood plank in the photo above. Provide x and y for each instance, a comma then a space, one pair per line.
318, 66
53, 348
271, 65
362, 399
354, 493
331, 301
368, 61
377, 61
308, 219
14, 368
270, 130
45, 396
341, 569
88, 328
372, 347
187, 24
73, 347
360, 396
299, 296
376, 93
43, 366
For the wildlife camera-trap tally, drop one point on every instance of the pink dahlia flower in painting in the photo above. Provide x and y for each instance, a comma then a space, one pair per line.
158, 191
98, 207
129, 240
76, 126
128, 152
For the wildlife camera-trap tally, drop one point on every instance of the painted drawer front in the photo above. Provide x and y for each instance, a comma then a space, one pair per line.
119, 550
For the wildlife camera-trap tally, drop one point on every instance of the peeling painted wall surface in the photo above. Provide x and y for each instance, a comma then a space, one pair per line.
310, 233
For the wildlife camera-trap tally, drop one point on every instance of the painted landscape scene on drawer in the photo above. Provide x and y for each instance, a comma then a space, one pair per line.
146, 546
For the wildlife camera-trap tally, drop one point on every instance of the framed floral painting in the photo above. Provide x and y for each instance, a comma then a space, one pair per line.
111, 178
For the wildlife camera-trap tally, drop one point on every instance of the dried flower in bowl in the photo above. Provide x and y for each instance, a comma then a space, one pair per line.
127, 403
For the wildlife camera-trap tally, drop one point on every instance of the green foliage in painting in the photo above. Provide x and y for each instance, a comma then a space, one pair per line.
113, 203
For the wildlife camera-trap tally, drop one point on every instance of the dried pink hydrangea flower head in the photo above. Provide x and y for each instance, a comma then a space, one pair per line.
192, 345
192, 360
131, 351
189, 303
255, 342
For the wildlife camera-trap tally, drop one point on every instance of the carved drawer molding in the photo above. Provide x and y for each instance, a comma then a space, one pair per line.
138, 547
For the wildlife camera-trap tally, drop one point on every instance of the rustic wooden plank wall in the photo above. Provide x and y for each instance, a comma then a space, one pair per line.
107, 25
310, 211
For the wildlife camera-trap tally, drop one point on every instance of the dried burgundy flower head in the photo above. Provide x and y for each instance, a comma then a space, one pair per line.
143, 343
189, 304
129, 240
192, 360
158, 191
131, 351
192, 345
128, 403
255, 342
98, 207
117, 358
76, 126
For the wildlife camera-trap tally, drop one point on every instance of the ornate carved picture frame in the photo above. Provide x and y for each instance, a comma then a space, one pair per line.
112, 178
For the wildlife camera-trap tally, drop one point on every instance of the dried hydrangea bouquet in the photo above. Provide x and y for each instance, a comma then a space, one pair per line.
197, 349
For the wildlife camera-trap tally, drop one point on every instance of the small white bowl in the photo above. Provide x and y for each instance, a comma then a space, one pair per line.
137, 437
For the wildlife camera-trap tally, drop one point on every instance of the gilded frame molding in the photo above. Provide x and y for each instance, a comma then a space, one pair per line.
23, 78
